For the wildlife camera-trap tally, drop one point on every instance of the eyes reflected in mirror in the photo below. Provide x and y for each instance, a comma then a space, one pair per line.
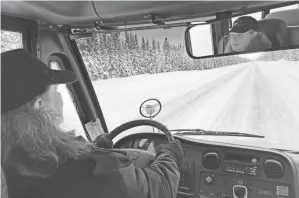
248, 41
246, 35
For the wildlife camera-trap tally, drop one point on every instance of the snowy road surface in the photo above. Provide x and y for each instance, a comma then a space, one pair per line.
256, 97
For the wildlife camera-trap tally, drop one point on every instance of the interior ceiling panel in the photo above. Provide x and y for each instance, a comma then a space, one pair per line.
130, 11
52, 12
76, 13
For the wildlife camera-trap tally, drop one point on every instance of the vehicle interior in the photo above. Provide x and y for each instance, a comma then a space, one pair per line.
55, 31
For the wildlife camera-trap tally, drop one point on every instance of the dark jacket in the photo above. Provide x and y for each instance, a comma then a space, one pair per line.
260, 42
102, 174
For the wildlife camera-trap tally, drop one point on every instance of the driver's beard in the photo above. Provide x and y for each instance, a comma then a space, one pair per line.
35, 141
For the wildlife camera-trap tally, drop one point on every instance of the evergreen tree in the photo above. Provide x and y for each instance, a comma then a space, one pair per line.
166, 51
120, 55
143, 44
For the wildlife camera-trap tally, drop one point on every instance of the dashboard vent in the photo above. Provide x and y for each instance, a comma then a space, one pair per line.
273, 169
211, 161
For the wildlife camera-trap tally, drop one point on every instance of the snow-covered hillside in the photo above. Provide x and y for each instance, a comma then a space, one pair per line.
255, 97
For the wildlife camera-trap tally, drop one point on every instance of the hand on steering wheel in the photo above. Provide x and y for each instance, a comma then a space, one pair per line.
142, 158
104, 141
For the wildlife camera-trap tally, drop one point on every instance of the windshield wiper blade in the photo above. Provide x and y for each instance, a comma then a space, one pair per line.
215, 133
287, 151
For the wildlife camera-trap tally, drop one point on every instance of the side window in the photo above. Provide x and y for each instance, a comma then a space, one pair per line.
71, 120
291, 7
256, 15
10, 40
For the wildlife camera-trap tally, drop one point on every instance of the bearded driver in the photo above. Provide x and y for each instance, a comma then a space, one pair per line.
42, 161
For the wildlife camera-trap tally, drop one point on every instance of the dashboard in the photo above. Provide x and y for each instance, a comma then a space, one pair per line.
218, 170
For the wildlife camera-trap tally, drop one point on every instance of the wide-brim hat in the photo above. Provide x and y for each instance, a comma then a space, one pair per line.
24, 77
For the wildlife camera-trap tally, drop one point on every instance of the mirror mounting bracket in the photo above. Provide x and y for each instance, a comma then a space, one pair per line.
98, 26
231, 13
154, 20
224, 15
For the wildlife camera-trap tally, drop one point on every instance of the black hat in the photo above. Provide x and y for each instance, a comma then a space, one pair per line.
24, 77
244, 24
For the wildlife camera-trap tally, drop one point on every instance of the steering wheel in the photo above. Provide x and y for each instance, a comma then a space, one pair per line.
141, 158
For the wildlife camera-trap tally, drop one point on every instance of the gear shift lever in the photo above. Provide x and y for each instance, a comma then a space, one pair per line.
240, 191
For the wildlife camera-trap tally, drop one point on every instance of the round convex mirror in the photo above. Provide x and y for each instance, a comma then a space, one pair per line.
150, 108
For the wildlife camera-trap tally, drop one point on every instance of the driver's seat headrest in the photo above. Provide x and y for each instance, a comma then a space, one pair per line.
276, 30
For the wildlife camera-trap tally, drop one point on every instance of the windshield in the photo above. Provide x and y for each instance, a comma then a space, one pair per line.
253, 93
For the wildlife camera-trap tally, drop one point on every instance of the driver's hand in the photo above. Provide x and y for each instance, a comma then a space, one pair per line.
175, 148
103, 141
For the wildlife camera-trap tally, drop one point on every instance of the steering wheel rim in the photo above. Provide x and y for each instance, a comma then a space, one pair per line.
142, 122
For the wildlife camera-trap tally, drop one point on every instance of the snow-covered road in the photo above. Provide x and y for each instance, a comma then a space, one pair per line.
256, 97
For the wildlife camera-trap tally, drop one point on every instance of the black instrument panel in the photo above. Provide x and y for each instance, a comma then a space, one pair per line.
215, 172
228, 171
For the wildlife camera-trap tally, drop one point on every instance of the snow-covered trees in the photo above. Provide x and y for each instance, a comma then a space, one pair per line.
125, 54
10, 40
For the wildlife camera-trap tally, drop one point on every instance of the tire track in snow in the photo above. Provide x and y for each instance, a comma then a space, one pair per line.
174, 102
280, 119
184, 103
285, 80
244, 112
210, 85
184, 106
238, 106
257, 107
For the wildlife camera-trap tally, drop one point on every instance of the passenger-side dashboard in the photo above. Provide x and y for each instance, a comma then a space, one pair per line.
217, 170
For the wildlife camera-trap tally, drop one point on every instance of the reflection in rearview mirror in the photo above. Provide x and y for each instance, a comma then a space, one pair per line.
245, 34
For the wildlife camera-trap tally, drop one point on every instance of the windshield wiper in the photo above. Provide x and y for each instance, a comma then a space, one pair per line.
287, 151
215, 133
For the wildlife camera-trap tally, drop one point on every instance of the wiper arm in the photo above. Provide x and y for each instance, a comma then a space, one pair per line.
212, 133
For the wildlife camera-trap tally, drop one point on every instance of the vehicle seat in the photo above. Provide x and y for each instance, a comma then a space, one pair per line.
4, 192
276, 31
291, 18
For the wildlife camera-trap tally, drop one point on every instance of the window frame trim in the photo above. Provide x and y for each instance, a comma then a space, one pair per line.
54, 58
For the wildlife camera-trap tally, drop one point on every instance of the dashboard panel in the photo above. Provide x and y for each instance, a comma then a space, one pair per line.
217, 170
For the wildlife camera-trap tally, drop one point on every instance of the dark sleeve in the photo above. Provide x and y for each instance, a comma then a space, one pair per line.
160, 179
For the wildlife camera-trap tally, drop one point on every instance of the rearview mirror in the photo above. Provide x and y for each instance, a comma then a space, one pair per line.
241, 35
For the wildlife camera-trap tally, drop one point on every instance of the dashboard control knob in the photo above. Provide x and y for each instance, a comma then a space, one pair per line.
240, 191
